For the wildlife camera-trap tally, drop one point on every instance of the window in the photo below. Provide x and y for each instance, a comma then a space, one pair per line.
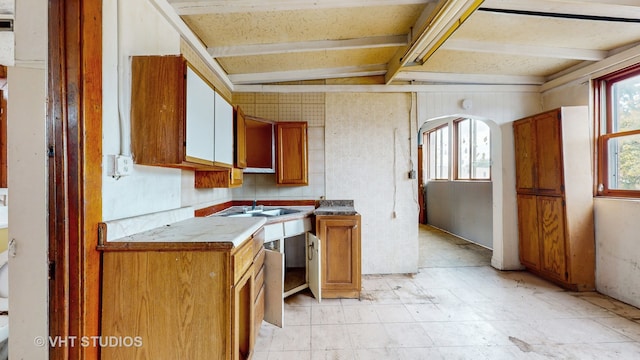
618, 104
473, 150
438, 145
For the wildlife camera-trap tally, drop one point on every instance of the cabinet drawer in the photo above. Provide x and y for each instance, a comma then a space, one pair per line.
258, 260
258, 241
259, 279
242, 259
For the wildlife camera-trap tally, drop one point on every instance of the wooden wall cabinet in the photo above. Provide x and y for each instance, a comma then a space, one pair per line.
183, 304
240, 138
341, 260
555, 196
292, 153
177, 118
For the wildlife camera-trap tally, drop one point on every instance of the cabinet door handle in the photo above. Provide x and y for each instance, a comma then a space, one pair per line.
310, 251
355, 227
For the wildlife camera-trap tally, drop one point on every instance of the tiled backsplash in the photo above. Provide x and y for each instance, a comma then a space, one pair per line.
309, 107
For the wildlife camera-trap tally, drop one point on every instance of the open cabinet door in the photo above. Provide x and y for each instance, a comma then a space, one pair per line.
314, 267
273, 287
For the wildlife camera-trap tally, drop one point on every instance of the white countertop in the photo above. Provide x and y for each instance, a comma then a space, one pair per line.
200, 230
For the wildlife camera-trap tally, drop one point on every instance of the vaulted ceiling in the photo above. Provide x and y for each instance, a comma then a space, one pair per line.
517, 42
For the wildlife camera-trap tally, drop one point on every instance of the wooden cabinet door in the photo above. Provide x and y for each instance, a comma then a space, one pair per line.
340, 236
551, 216
243, 317
314, 265
240, 138
158, 109
525, 154
274, 287
528, 232
549, 154
291, 153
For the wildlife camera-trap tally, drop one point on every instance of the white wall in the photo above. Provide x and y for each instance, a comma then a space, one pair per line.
27, 161
498, 109
139, 29
463, 208
368, 156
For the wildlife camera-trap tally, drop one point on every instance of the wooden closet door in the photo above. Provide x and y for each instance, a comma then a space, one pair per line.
549, 154
525, 152
551, 218
528, 231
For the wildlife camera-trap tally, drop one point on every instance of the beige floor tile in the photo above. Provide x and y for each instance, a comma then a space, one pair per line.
628, 328
378, 354
333, 355
291, 338
362, 314
368, 336
297, 315
330, 337
405, 335
289, 355
330, 314
464, 333
393, 313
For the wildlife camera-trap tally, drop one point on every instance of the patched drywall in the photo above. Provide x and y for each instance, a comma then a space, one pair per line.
368, 157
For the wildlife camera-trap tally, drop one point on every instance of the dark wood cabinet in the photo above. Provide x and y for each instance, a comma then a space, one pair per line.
292, 153
555, 196
341, 248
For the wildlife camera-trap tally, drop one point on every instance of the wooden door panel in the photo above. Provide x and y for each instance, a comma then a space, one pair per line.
528, 231
552, 235
273, 287
339, 250
341, 254
549, 154
291, 153
525, 152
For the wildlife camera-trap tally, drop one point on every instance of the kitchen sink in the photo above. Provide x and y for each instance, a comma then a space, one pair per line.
279, 211
265, 212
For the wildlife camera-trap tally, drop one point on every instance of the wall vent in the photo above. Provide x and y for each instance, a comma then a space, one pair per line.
6, 25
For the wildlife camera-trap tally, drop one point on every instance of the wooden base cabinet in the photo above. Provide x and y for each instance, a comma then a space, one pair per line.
341, 248
181, 303
555, 196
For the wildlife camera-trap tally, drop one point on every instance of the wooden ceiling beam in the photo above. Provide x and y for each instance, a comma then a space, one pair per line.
309, 74
451, 78
192, 7
304, 46
524, 50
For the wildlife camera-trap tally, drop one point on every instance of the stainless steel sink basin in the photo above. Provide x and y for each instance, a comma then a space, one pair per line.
266, 212
278, 212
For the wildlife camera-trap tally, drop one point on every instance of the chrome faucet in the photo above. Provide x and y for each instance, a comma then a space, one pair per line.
255, 202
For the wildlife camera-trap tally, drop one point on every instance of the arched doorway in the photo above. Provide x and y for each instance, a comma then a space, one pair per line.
497, 185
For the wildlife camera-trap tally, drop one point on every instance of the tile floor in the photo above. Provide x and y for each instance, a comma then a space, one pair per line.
456, 307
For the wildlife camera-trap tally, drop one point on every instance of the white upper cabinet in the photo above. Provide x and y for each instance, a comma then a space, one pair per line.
223, 139
201, 112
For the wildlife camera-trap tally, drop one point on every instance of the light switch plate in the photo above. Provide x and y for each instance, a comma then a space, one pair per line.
122, 165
